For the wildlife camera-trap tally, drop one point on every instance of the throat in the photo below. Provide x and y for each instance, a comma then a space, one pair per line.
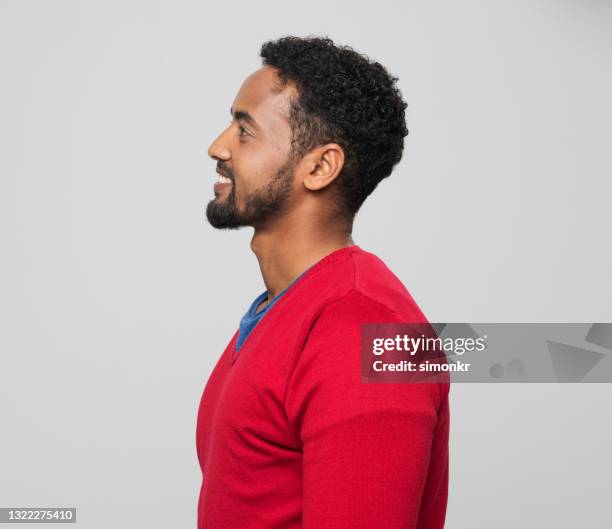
263, 305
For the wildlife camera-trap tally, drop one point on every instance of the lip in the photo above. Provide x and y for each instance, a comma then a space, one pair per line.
221, 185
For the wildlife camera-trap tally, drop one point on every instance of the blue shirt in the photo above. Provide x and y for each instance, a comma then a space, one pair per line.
251, 318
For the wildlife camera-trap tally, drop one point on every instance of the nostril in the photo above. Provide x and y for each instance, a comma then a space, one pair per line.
219, 154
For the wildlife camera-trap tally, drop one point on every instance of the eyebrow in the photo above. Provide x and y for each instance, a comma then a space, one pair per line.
243, 115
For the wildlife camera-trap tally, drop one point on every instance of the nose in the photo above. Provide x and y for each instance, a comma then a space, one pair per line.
218, 149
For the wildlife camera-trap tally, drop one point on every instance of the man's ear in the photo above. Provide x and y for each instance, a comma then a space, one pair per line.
322, 165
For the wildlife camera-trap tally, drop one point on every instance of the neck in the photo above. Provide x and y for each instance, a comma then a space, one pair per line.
284, 252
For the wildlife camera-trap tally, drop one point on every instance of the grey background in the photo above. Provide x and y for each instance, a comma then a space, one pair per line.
117, 297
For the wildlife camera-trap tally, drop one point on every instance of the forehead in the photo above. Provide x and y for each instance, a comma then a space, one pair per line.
259, 95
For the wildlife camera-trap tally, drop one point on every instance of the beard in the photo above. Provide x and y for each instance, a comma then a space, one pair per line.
259, 207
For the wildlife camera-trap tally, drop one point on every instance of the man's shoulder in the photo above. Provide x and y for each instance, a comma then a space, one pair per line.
376, 285
357, 306
360, 286
353, 287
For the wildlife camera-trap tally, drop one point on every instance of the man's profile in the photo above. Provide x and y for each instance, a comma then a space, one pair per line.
288, 436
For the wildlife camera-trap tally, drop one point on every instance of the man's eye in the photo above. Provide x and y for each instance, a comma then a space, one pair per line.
242, 130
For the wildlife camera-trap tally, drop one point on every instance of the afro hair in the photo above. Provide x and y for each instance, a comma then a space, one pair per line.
345, 98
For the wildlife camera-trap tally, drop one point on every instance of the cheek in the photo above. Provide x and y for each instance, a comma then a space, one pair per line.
247, 179
255, 170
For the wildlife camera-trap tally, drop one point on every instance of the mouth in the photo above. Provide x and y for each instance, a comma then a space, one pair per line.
222, 183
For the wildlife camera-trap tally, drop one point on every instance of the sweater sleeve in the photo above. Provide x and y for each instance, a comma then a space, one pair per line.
374, 454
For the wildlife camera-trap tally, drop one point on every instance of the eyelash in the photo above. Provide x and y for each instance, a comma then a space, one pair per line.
242, 129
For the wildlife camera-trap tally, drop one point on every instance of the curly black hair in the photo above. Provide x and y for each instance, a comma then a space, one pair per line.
346, 98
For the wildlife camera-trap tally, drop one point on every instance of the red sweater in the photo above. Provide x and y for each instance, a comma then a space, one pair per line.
289, 437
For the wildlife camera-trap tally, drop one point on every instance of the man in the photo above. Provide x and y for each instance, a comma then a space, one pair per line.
288, 435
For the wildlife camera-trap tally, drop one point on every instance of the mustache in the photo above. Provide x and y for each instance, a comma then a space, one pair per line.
222, 170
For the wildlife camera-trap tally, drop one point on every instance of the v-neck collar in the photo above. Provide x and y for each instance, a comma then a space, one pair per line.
336, 254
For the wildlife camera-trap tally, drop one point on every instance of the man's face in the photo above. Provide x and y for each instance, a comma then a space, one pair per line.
252, 154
